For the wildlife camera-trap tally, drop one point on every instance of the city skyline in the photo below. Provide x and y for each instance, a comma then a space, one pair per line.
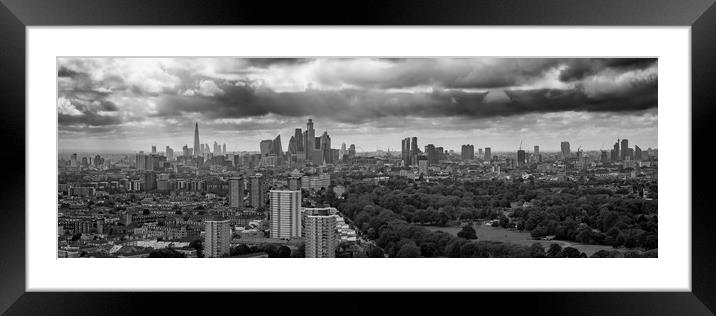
373, 103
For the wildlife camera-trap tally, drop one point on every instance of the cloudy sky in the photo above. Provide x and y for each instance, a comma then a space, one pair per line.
129, 104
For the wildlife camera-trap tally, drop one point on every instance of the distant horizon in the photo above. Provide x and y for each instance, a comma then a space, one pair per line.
126, 104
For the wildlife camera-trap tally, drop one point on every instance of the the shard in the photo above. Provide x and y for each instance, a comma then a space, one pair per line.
197, 147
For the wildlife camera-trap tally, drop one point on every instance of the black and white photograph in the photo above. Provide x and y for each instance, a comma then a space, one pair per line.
357, 157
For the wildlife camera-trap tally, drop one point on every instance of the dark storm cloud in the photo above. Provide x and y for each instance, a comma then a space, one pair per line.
579, 68
88, 119
379, 88
65, 72
448, 73
267, 62
361, 105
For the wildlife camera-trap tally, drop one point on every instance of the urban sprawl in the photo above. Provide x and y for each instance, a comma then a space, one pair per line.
315, 201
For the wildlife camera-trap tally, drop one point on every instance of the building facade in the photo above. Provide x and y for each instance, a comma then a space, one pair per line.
285, 214
217, 238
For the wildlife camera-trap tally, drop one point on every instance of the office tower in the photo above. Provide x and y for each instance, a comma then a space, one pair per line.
170, 153
223, 148
154, 149
326, 148
432, 153
236, 192
141, 163
276, 147
423, 165
258, 191
604, 157
150, 181
616, 155
630, 154
321, 234
310, 140
335, 155
152, 162
292, 148
343, 151
467, 152
414, 151
488, 153
185, 151
197, 146
624, 149
637, 153
441, 153
298, 134
217, 238
285, 214
352, 151
536, 151
521, 158
294, 183
97, 161
265, 147
479, 152
405, 151
565, 150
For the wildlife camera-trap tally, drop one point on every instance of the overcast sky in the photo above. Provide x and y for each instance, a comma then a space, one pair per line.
132, 103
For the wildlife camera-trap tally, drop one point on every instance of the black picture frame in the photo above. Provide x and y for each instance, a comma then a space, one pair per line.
16, 15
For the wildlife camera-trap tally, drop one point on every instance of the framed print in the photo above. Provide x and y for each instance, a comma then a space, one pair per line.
478, 147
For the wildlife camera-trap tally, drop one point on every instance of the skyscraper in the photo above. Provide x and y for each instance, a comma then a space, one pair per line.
292, 147
405, 151
432, 153
352, 151
326, 148
615, 152
604, 157
285, 214
258, 191
141, 161
343, 151
236, 192
625, 149
276, 147
521, 158
414, 151
467, 152
310, 140
217, 238
150, 181
223, 148
170, 153
265, 146
197, 145
154, 149
565, 150
536, 151
321, 234
488, 153
637, 153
